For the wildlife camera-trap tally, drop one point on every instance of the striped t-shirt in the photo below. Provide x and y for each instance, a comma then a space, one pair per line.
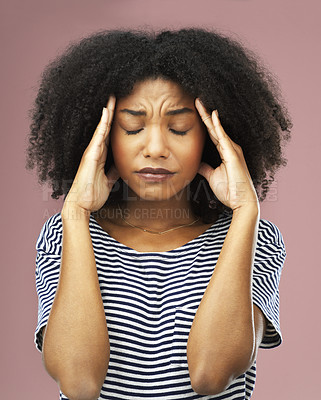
150, 299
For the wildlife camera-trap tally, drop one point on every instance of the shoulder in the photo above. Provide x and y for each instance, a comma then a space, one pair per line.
269, 233
269, 239
50, 234
270, 248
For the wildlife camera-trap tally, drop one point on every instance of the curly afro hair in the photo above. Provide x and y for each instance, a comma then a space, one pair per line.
206, 64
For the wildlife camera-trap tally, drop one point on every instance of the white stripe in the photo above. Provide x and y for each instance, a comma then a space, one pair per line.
150, 300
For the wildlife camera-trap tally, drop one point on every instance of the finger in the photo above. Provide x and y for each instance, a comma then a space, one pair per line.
106, 116
212, 122
101, 129
221, 134
110, 108
103, 156
207, 120
111, 103
217, 133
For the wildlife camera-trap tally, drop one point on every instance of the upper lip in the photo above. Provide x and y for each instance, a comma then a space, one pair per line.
149, 170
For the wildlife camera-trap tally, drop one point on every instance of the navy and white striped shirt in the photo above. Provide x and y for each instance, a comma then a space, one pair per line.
150, 299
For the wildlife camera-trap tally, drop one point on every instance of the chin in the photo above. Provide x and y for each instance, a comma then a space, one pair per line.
150, 192
154, 194
150, 196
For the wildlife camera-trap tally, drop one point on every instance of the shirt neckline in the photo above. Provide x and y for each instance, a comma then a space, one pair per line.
177, 249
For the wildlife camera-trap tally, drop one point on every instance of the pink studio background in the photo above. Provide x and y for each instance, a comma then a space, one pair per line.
287, 36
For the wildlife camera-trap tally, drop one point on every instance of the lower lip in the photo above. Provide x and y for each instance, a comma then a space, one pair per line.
148, 177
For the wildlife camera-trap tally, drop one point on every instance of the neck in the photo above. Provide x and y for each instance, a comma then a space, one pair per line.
158, 214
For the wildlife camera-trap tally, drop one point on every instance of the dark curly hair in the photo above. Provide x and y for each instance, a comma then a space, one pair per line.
206, 64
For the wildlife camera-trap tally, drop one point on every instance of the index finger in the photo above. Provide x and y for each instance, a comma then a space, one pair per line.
207, 120
222, 141
103, 128
110, 111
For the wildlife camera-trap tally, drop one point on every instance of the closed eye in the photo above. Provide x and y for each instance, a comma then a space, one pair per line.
172, 130
178, 132
133, 132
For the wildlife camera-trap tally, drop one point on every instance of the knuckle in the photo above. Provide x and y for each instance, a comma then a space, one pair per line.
102, 129
237, 147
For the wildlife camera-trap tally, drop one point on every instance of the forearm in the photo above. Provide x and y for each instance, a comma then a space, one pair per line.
222, 338
76, 344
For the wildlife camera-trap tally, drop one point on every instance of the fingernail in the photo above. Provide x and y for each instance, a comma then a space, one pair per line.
216, 112
104, 112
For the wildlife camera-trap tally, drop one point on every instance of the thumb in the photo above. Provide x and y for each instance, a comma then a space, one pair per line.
205, 170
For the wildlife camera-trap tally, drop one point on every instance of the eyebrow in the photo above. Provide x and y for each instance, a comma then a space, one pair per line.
184, 110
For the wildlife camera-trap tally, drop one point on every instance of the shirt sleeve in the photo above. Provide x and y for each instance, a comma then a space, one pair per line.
48, 260
268, 263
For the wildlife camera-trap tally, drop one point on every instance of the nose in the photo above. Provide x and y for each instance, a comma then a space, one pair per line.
156, 145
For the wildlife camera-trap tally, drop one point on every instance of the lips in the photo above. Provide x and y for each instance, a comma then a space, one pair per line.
154, 175
157, 171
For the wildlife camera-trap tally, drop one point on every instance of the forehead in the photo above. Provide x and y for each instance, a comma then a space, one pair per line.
157, 92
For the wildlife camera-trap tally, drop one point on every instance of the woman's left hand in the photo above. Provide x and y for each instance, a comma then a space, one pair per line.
231, 181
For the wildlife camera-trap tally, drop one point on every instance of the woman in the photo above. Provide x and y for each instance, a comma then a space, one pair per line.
158, 279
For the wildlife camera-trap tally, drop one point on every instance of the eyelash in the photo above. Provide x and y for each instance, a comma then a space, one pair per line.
180, 133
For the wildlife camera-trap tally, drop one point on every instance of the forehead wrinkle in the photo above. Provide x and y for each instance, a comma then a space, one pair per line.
160, 103
174, 104
155, 102
147, 107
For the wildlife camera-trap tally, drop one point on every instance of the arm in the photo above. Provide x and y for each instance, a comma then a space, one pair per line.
76, 343
227, 329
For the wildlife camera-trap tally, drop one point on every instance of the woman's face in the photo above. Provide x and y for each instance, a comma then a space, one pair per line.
157, 139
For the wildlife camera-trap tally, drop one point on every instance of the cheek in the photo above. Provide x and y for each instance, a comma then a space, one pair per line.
194, 154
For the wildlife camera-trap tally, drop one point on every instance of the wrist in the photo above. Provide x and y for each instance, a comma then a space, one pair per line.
74, 213
250, 211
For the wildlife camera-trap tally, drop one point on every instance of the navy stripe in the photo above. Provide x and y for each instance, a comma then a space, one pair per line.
150, 300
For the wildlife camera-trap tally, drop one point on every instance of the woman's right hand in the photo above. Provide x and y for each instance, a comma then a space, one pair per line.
91, 186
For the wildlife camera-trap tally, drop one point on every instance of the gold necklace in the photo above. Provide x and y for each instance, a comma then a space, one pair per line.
150, 231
